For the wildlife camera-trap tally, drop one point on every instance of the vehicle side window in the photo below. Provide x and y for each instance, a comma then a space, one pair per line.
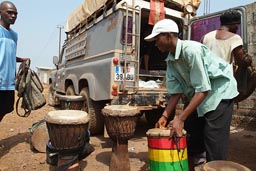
129, 30
202, 26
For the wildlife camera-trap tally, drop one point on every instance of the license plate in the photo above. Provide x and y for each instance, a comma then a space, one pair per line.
119, 73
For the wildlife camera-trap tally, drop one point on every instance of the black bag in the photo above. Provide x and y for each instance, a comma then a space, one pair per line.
29, 89
245, 75
246, 82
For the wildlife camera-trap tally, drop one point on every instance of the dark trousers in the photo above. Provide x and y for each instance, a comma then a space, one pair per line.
211, 132
217, 130
6, 102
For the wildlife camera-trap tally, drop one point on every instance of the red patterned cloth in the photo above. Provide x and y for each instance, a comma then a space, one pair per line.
157, 12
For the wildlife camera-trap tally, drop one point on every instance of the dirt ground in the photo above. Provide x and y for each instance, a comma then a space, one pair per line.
17, 154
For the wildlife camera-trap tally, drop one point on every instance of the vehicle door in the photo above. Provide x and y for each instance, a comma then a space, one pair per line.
199, 26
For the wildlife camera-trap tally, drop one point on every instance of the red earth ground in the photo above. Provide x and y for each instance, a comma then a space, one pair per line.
17, 153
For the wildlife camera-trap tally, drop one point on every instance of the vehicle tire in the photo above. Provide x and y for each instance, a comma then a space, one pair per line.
70, 90
94, 110
51, 96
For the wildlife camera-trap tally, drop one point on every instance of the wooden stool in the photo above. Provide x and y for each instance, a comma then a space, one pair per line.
120, 121
73, 167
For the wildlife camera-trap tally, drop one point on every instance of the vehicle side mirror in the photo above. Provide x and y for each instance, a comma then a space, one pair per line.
55, 61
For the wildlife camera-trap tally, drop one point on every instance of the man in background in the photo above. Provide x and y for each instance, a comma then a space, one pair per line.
8, 59
227, 44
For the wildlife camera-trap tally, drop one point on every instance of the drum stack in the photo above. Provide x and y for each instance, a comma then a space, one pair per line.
166, 153
71, 102
68, 133
120, 122
71, 123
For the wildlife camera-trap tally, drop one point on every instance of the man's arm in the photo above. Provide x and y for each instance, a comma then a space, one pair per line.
193, 104
177, 124
171, 106
241, 58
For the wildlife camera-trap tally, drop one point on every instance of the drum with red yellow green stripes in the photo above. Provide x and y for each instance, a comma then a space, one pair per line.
166, 153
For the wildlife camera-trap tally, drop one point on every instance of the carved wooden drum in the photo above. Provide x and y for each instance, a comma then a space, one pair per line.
220, 165
71, 102
120, 121
67, 128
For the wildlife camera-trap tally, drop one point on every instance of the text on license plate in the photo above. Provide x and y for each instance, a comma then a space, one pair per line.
119, 73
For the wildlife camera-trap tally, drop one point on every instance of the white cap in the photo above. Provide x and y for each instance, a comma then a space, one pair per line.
163, 26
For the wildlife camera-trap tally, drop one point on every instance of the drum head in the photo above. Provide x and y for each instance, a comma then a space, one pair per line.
67, 117
158, 132
71, 98
120, 110
224, 166
161, 132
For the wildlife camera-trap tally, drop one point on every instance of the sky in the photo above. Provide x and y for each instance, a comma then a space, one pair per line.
39, 22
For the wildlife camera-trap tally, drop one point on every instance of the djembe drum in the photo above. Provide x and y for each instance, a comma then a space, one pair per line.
166, 153
67, 132
220, 165
120, 122
71, 102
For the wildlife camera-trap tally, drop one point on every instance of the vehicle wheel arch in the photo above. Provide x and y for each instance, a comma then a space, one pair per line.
72, 80
88, 80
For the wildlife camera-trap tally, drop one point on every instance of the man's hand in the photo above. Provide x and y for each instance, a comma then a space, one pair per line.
176, 126
247, 60
242, 58
161, 122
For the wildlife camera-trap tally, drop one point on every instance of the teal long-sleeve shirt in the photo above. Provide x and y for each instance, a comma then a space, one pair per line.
195, 68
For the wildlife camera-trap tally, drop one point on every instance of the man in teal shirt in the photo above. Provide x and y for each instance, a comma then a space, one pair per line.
205, 80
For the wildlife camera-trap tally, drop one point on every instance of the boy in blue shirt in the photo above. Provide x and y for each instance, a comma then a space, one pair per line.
8, 59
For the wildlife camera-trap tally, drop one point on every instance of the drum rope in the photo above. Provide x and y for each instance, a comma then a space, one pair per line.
36, 125
68, 105
176, 140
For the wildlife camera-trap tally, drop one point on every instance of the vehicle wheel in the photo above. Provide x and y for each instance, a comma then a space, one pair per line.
94, 110
51, 96
70, 90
